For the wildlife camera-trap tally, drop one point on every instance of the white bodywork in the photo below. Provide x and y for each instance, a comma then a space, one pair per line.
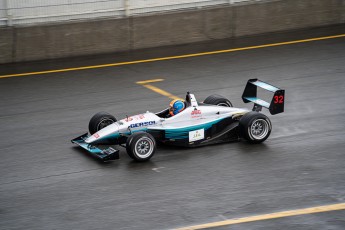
194, 115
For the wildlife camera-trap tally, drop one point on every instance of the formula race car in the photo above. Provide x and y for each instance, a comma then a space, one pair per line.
212, 121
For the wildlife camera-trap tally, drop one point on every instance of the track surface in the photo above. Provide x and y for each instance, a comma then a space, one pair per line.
47, 183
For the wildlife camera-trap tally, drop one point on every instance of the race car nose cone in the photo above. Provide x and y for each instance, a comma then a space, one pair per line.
103, 133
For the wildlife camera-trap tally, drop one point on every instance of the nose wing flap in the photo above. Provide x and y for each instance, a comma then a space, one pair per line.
103, 154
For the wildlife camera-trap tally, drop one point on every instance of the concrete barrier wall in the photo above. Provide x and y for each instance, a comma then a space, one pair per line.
73, 39
6, 45
286, 15
112, 35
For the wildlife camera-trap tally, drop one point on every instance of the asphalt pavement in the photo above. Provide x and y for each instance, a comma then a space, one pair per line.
48, 183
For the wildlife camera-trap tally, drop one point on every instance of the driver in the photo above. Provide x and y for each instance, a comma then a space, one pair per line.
176, 106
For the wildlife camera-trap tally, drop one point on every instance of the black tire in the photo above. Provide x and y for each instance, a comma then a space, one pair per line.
99, 121
141, 146
219, 100
255, 127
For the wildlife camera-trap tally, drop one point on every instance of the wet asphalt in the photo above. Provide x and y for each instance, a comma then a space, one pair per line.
48, 183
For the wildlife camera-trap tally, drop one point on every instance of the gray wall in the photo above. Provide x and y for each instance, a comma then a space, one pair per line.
104, 36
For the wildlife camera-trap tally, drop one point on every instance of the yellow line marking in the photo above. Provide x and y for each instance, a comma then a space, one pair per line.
156, 89
160, 91
326, 208
149, 81
171, 57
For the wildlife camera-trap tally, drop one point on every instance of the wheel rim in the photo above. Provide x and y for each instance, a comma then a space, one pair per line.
259, 129
143, 147
104, 123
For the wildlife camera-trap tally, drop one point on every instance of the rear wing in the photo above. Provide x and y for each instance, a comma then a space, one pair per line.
250, 95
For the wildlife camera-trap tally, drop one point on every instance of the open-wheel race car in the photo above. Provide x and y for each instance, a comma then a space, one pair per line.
212, 121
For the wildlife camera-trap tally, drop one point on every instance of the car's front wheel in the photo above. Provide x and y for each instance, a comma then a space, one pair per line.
99, 121
141, 146
255, 127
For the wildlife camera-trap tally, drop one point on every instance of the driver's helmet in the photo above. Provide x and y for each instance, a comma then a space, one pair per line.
176, 106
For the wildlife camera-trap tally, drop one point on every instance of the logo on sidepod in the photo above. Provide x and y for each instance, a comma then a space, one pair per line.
196, 113
141, 124
197, 135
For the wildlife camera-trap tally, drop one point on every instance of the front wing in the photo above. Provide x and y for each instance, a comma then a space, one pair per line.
103, 154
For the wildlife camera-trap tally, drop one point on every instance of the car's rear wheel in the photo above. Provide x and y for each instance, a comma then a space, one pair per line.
219, 100
255, 127
99, 121
141, 146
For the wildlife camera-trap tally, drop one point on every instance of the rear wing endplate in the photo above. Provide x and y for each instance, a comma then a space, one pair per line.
250, 95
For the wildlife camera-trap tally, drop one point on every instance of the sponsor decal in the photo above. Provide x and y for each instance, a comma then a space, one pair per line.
141, 124
196, 113
96, 135
137, 117
196, 135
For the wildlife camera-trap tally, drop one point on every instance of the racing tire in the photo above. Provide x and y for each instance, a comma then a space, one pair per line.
219, 100
141, 146
99, 121
255, 127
